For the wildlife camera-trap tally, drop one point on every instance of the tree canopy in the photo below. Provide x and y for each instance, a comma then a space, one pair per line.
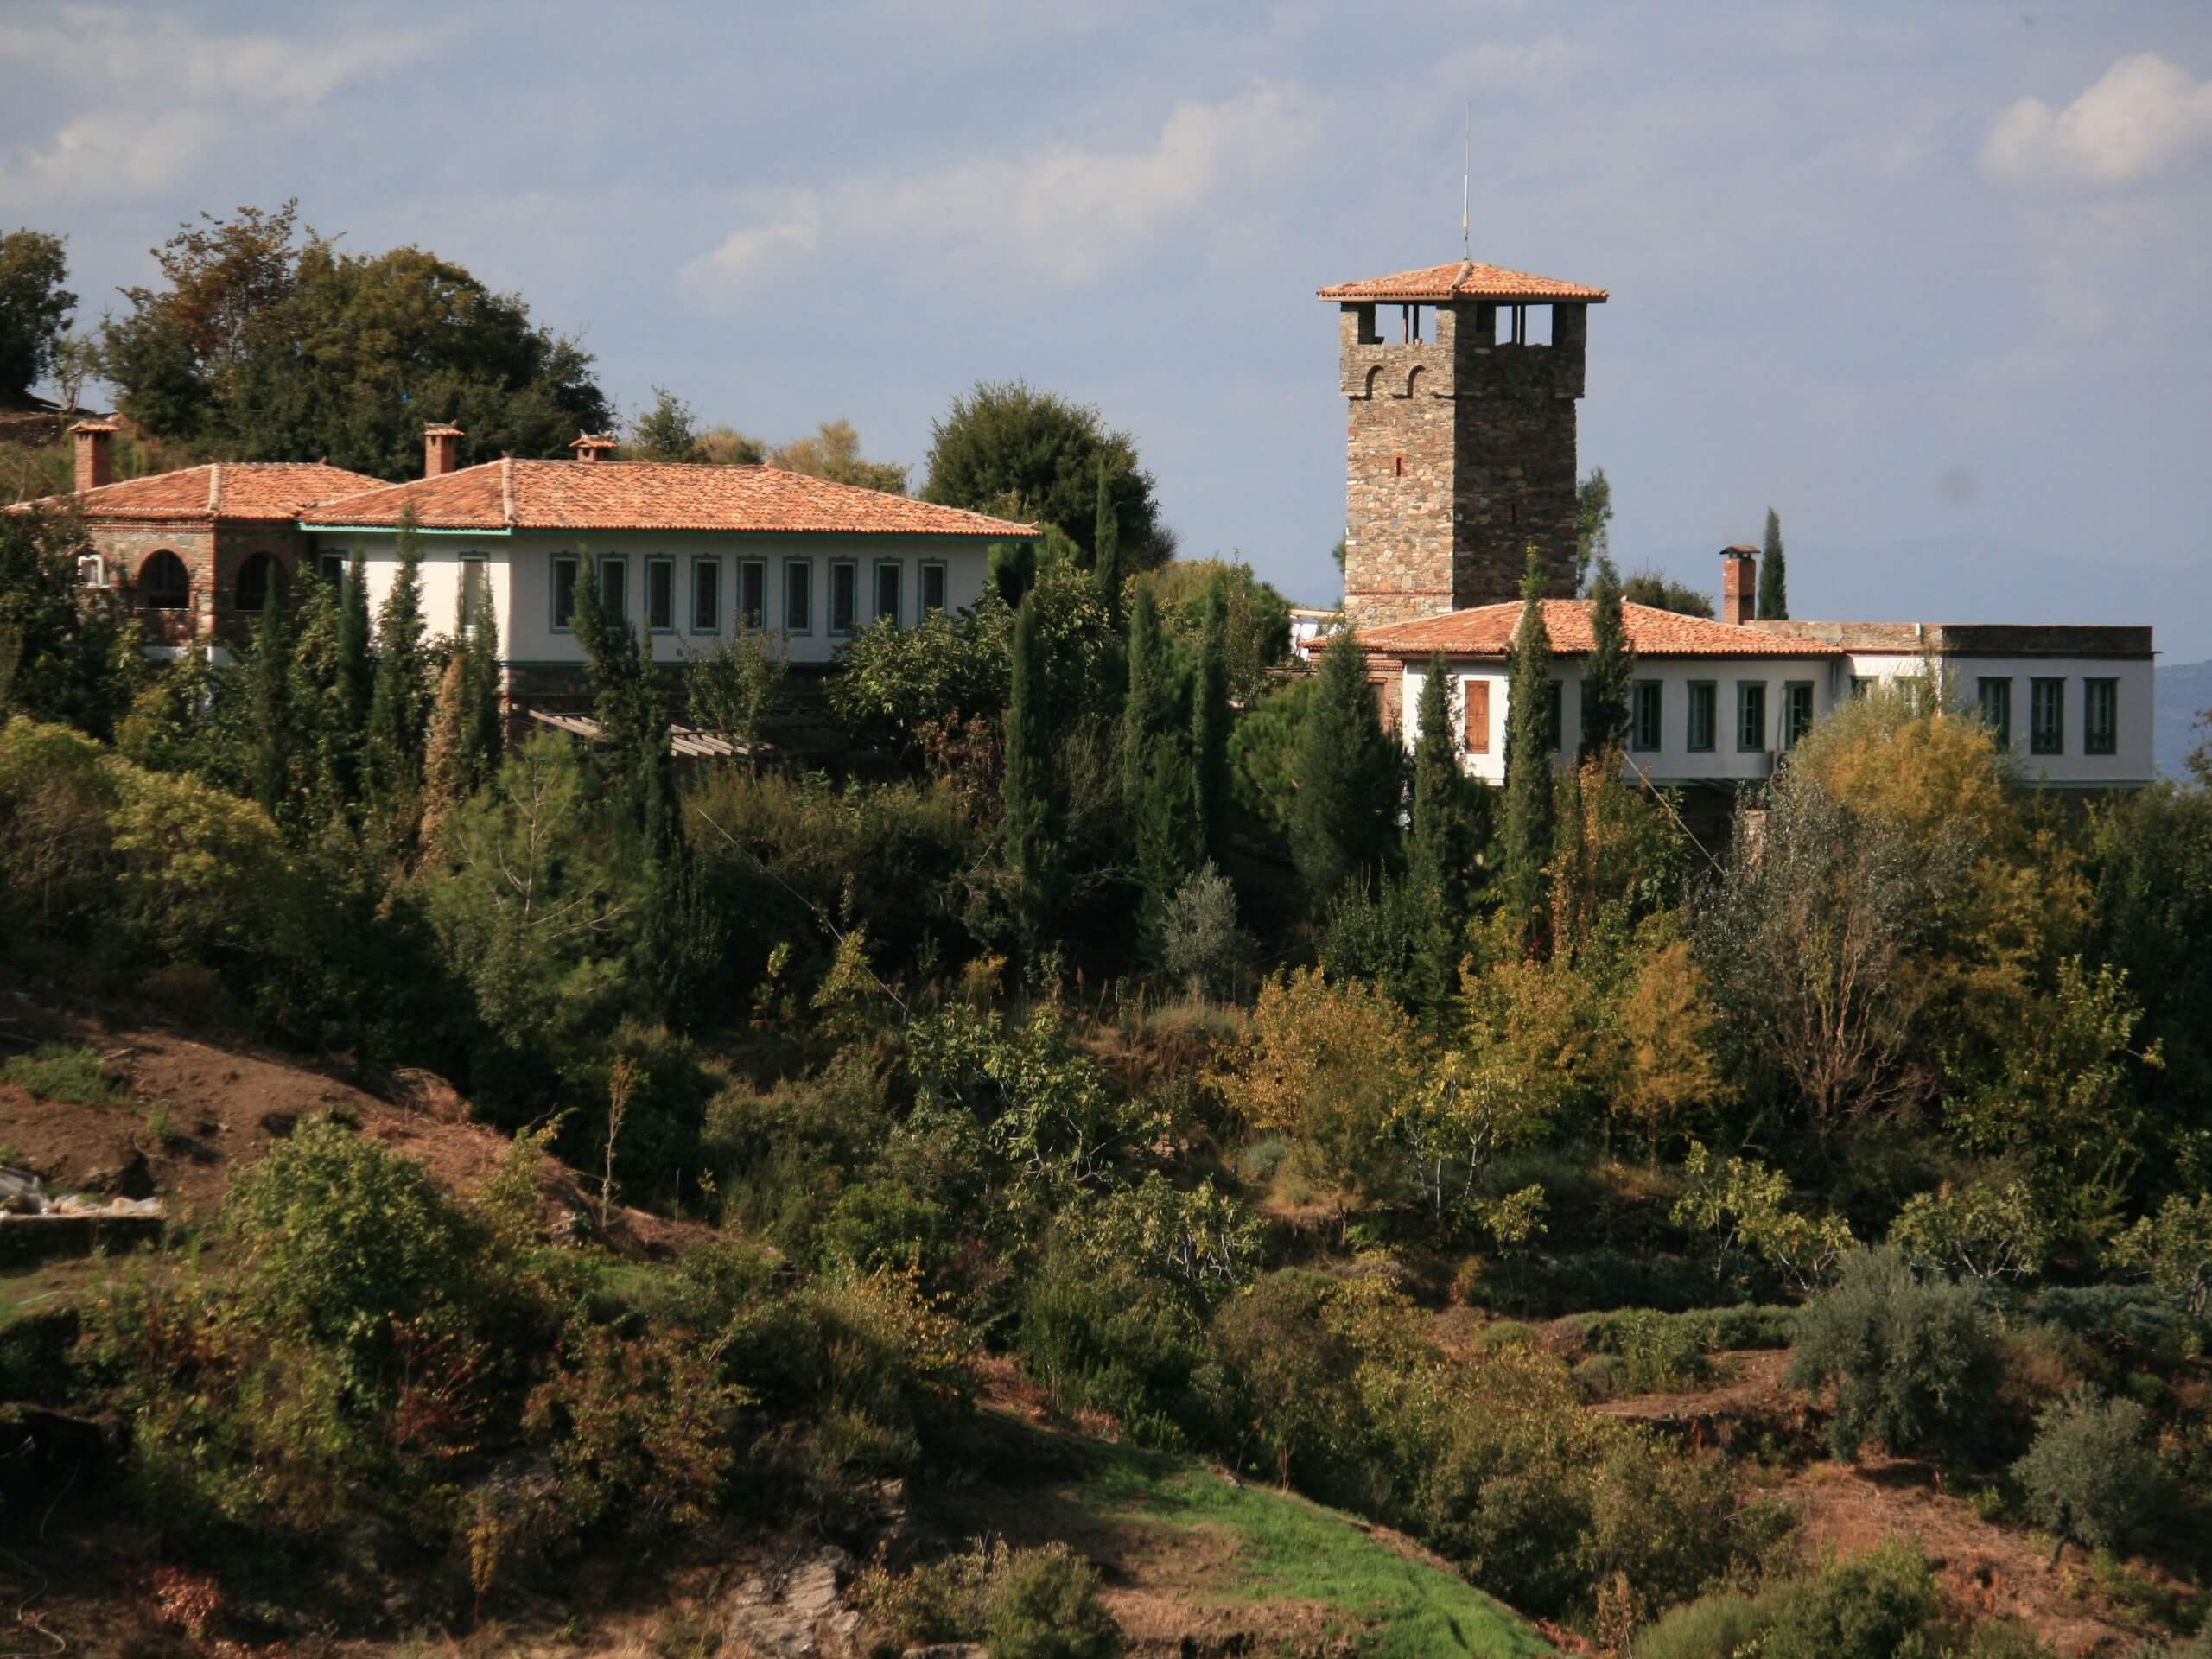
269, 342
1005, 447
34, 306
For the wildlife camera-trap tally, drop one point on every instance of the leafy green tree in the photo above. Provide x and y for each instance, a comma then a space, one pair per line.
832, 450
1106, 540
1530, 815
34, 306
1200, 944
1982, 1230
268, 686
1344, 821
1774, 573
1263, 753
1593, 518
1446, 838
2089, 1477
1915, 1363
1005, 447
64, 656
272, 345
1210, 722
1663, 593
2173, 1250
1256, 636
399, 700
736, 686
667, 431
1612, 669
1146, 710
1033, 825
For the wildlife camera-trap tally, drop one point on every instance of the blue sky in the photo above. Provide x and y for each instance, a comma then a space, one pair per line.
1929, 278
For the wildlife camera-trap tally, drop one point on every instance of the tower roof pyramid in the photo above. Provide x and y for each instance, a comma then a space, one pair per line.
1464, 279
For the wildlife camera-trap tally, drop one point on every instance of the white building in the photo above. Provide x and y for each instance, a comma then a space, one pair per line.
1715, 703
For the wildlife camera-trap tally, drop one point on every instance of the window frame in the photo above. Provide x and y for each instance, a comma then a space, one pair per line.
1711, 692
1749, 695
567, 571
1863, 685
335, 580
1639, 690
923, 571
617, 613
480, 565
1793, 733
2038, 685
702, 564
2096, 740
897, 568
755, 616
655, 562
1997, 689
804, 569
850, 568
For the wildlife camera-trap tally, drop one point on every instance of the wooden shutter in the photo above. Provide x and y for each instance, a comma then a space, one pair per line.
1476, 693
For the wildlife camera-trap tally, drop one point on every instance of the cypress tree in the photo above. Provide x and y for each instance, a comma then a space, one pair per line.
399, 698
1530, 809
1031, 825
1209, 724
326, 740
488, 736
1447, 834
1169, 845
1144, 710
446, 769
1345, 815
355, 679
1106, 545
1774, 573
1612, 668
268, 672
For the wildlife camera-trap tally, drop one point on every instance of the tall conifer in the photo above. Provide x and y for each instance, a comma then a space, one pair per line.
1209, 724
356, 677
1345, 816
1774, 573
1612, 668
1530, 811
1441, 855
487, 738
1144, 711
268, 677
445, 764
399, 699
1106, 543
1031, 824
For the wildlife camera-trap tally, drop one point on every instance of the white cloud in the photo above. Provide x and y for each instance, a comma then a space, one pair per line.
167, 95
2143, 116
1506, 65
1064, 216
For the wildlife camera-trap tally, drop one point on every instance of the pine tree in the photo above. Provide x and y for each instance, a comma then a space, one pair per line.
1447, 834
1106, 545
1169, 847
1144, 710
1774, 573
268, 673
1612, 668
1032, 824
487, 738
1530, 809
1345, 816
446, 759
324, 741
356, 673
1209, 724
399, 699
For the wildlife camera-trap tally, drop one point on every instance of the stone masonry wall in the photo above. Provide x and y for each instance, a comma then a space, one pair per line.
1459, 453
212, 554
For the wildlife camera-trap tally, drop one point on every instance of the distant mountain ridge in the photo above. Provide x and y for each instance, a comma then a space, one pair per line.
2184, 691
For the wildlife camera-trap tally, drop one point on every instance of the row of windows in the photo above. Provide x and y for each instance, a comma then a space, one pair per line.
2047, 713
1647, 710
702, 602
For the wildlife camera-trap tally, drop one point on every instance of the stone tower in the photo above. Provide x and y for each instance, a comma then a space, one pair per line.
1459, 440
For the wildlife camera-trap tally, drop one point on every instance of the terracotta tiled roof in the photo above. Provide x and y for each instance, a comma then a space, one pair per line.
1463, 280
653, 495
1487, 631
228, 489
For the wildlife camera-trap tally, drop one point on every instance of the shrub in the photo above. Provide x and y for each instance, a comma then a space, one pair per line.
1602, 1376
1914, 1362
55, 799
340, 1238
1869, 1607
1045, 1605
67, 1072
2088, 1475
1200, 944
1711, 1627
1659, 1352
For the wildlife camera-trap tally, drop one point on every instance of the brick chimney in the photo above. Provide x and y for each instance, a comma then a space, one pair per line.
594, 446
1740, 583
95, 453
441, 448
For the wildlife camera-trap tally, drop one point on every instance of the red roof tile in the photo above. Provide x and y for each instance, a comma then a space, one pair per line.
230, 489
653, 495
1463, 280
1487, 631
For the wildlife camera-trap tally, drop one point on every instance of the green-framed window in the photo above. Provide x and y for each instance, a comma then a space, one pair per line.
1860, 685
844, 595
1796, 712
1644, 704
799, 595
1994, 694
660, 595
2047, 716
1705, 716
2101, 717
753, 593
935, 591
475, 593
614, 589
890, 590
1750, 715
564, 593
706, 593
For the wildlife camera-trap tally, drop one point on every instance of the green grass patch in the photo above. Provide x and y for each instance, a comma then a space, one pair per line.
67, 1072
1291, 1549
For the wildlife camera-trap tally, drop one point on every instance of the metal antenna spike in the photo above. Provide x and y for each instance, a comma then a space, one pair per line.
1466, 174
